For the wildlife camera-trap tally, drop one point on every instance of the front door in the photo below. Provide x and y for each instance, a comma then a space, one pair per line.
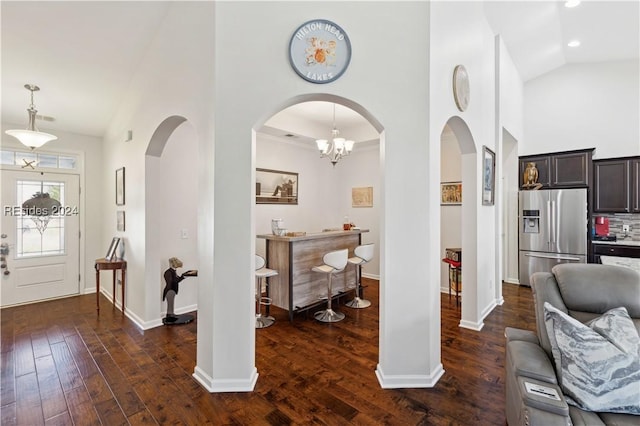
40, 247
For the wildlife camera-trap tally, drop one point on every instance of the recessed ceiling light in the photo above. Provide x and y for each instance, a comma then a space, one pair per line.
571, 3
573, 43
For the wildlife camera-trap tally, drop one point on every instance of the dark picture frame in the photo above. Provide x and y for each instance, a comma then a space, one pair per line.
120, 186
488, 176
450, 193
111, 253
276, 187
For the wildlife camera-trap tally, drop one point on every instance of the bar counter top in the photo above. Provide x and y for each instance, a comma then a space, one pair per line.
312, 235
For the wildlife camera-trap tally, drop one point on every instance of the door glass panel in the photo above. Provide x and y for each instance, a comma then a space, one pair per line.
40, 232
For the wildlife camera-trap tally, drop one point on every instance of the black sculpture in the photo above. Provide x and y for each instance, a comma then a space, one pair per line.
172, 281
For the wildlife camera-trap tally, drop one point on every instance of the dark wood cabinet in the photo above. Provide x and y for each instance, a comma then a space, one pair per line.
614, 250
616, 185
560, 170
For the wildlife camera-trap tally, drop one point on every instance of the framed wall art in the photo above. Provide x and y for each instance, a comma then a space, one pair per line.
120, 187
488, 176
450, 193
111, 253
362, 197
276, 187
120, 221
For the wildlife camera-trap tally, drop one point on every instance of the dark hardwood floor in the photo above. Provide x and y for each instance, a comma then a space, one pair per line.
64, 365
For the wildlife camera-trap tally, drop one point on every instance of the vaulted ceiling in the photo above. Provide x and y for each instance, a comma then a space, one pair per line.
83, 54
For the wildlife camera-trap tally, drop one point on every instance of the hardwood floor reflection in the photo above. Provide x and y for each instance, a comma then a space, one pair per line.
63, 364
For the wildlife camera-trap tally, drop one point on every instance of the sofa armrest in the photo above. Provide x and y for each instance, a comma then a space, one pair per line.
518, 334
528, 359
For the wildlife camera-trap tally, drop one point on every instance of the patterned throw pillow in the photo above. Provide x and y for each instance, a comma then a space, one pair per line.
598, 363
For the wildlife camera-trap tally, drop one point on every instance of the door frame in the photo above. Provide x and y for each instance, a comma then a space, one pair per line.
84, 269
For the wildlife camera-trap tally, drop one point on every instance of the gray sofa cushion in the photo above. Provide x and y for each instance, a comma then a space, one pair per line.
598, 288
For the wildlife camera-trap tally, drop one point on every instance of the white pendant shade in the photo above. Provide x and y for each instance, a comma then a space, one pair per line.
31, 138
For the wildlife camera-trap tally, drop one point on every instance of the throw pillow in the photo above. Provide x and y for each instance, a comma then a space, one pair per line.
598, 363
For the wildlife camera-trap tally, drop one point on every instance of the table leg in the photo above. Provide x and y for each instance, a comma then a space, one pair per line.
97, 289
114, 287
124, 273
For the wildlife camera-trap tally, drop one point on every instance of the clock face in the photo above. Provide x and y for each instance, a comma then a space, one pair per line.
319, 51
461, 87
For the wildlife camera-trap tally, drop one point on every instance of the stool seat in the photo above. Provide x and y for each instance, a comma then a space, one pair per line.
266, 273
363, 255
334, 262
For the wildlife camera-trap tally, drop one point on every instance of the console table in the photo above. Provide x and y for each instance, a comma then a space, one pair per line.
114, 265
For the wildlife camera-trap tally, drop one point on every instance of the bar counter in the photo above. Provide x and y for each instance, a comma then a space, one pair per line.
296, 287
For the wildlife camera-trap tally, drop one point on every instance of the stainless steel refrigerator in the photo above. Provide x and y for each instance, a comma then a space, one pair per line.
553, 229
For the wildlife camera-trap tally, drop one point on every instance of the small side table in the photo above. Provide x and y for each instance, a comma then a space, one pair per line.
455, 268
114, 265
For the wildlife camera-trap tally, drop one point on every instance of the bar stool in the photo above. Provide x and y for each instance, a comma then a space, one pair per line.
363, 255
262, 273
334, 262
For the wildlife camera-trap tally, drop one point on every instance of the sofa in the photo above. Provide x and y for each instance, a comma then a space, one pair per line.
584, 292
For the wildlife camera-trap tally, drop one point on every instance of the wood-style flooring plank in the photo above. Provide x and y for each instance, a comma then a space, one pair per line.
63, 363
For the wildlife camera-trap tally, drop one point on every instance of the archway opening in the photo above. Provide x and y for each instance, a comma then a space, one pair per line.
459, 224
171, 205
284, 141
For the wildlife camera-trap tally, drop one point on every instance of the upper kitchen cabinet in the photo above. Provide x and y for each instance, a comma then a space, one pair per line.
616, 185
560, 170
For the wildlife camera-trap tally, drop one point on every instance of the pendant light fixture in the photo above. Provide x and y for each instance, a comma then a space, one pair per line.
337, 147
31, 137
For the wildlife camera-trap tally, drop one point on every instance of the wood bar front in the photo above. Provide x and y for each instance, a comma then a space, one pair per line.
297, 287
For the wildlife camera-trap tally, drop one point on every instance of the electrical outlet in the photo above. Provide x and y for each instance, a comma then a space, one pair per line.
626, 229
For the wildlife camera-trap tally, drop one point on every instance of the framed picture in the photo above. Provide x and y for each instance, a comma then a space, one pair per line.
120, 224
362, 197
488, 176
276, 187
450, 193
111, 253
120, 187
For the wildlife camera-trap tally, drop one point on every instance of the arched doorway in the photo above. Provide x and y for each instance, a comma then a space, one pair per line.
456, 130
171, 204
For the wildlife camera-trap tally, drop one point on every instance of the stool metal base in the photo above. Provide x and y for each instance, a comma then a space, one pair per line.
177, 319
264, 322
358, 303
329, 315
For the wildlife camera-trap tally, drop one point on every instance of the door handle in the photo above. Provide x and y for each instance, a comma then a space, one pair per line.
575, 259
553, 222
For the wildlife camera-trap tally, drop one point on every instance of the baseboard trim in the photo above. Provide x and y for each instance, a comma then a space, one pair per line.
476, 326
511, 281
371, 276
408, 381
225, 385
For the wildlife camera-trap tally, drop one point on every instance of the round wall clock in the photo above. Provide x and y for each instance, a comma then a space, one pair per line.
461, 87
319, 51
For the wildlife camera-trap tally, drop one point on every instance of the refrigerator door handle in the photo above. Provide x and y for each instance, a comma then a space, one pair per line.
575, 259
548, 222
553, 222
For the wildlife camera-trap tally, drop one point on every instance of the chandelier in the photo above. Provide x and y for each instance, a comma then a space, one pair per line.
337, 147
31, 137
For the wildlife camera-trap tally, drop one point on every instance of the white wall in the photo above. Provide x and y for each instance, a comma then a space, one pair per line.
174, 78
461, 35
399, 80
91, 197
324, 192
584, 106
